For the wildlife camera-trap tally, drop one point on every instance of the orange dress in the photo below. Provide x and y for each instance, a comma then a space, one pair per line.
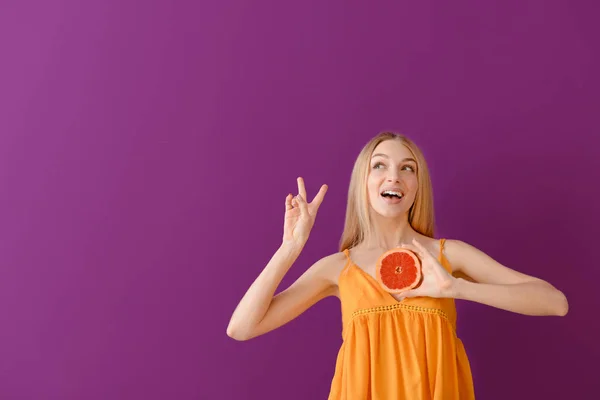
396, 350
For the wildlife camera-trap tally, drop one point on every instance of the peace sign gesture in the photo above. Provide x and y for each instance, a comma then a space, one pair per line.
300, 215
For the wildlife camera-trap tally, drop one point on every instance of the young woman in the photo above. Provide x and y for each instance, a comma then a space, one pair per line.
395, 346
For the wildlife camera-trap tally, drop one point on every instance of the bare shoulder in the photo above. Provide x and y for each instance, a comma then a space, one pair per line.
330, 266
324, 273
454, 250
432, 244
453, 247
471, 263
458, 251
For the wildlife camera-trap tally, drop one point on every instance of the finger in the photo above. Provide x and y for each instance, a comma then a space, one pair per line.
302, 204
413, 248
412, 293
421, 247
403, 244
288, 202
320, 196
301, 188
418, 244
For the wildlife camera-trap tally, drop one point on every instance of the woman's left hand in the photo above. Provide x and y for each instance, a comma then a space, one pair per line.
436, 281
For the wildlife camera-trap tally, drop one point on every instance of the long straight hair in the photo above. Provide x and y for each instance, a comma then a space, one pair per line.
358, 224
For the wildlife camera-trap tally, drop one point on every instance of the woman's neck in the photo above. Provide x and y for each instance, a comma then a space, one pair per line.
388, 233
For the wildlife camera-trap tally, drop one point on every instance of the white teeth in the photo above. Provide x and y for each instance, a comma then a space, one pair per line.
393, 193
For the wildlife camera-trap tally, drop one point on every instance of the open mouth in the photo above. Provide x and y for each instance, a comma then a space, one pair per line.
392, 194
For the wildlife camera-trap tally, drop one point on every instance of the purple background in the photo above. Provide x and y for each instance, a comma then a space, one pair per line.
146, 150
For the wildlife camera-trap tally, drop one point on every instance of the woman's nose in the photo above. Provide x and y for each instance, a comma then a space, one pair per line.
393, 177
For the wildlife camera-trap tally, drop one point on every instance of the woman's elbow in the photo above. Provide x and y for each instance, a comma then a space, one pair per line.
562, 307
235, 334
238, 334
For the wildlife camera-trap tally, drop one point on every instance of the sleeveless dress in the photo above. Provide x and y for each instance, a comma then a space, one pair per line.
396, 350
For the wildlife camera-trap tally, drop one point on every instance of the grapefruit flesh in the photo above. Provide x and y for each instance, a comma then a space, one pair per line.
398, 270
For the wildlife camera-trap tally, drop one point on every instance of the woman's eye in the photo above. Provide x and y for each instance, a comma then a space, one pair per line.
379, 165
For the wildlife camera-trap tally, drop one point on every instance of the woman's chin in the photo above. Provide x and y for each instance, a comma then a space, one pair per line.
390, 213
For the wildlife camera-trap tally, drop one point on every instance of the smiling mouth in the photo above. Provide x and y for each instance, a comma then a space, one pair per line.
392, 194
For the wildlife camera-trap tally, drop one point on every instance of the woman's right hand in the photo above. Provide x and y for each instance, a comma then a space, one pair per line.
300, 215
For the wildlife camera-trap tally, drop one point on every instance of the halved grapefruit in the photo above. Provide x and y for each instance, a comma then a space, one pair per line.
398, 270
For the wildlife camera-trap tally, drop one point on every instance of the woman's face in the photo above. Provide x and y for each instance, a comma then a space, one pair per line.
392, 179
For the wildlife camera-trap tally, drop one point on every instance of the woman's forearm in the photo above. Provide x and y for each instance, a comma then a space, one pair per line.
255, 302
530, 298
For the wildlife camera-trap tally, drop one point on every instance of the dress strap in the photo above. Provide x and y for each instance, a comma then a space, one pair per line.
442, 242
348, 261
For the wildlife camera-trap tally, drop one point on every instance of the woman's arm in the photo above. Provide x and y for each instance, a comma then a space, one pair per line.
259, 312
499, 286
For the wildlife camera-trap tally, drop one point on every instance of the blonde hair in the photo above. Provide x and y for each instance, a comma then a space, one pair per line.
358, 224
